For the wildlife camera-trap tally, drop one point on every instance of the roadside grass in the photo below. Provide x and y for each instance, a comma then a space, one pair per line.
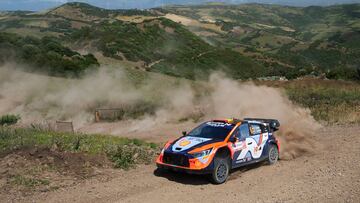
9, 119
123, 152
334, 105
330, 101
28, 182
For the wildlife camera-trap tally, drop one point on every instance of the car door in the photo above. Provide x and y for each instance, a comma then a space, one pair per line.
257, 140
251, 139
241, 152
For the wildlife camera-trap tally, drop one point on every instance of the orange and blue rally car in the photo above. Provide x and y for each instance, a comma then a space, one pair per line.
215, 147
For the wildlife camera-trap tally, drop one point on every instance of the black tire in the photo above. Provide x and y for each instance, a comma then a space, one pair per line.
221, 170
273, 155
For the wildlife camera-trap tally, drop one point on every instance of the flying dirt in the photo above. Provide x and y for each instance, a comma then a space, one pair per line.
40, 98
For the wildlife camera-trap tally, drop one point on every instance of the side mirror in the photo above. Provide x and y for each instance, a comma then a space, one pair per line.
184, 133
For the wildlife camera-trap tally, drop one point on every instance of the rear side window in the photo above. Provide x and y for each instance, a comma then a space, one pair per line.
256, 129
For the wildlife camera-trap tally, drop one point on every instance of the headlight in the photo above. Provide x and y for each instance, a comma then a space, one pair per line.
202, 153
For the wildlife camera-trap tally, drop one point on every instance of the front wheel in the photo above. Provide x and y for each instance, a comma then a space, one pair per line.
273, 154
221, 170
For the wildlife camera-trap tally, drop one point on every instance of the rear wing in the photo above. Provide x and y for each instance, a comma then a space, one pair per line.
273, 123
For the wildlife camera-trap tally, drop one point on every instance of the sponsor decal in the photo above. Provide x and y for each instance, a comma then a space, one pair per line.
188, 142
184, 143
243, 160
238, 146
217, 124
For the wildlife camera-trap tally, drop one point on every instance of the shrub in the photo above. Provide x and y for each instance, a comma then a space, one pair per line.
126, 156
122, 157
9, 119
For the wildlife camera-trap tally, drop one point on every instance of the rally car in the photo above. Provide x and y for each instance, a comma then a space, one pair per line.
215, 147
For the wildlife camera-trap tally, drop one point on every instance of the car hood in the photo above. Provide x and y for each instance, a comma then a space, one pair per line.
188, 143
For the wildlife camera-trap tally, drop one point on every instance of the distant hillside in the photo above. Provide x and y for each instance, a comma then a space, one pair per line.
245, 41
293, 41
44, 55
152, 42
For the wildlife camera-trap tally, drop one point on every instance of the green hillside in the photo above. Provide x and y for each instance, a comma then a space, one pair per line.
244, 41
291, 41
44, 55
153, 43
177, 51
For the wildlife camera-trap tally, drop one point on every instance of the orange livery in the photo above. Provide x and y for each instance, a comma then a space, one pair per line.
215, 147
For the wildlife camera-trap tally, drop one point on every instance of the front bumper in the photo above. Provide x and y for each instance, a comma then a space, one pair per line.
184, 170
194, 166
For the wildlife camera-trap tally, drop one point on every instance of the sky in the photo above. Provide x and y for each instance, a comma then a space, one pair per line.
36, 5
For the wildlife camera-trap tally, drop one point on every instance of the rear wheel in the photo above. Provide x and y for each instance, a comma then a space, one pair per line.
273, 154
221, 170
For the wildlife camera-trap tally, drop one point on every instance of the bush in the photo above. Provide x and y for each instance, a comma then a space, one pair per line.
9, 119
125, 156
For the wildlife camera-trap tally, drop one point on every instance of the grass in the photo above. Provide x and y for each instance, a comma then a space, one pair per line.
330, 101
124, 152
28, 182
9, 119
329, 104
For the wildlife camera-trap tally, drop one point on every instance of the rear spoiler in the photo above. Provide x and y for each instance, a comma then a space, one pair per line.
273, 123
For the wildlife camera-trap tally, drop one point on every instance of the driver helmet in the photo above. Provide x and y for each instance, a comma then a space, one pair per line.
252, 130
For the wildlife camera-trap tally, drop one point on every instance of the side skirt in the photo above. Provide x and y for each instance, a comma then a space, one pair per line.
250, 162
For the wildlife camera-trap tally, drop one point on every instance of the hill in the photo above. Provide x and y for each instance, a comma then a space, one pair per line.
292, 41
149, 41
244, 41
44, 55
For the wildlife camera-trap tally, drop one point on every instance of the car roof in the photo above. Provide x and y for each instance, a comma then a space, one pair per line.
236, 121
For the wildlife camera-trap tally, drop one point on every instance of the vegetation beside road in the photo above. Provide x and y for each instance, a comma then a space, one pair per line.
124, 152
330, 101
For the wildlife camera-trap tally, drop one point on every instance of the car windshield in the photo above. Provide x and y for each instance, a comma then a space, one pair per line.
213, 130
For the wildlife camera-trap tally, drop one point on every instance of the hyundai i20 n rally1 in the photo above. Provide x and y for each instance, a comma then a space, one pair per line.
215, 147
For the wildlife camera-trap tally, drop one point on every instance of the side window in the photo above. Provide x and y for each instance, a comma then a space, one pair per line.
255, 129
236, 133
244, 131
264, 129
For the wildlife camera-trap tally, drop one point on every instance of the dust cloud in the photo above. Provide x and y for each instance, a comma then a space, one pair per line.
37, 98
233, 99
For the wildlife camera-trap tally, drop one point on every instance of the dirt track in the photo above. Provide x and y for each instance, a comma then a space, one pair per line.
332, 174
